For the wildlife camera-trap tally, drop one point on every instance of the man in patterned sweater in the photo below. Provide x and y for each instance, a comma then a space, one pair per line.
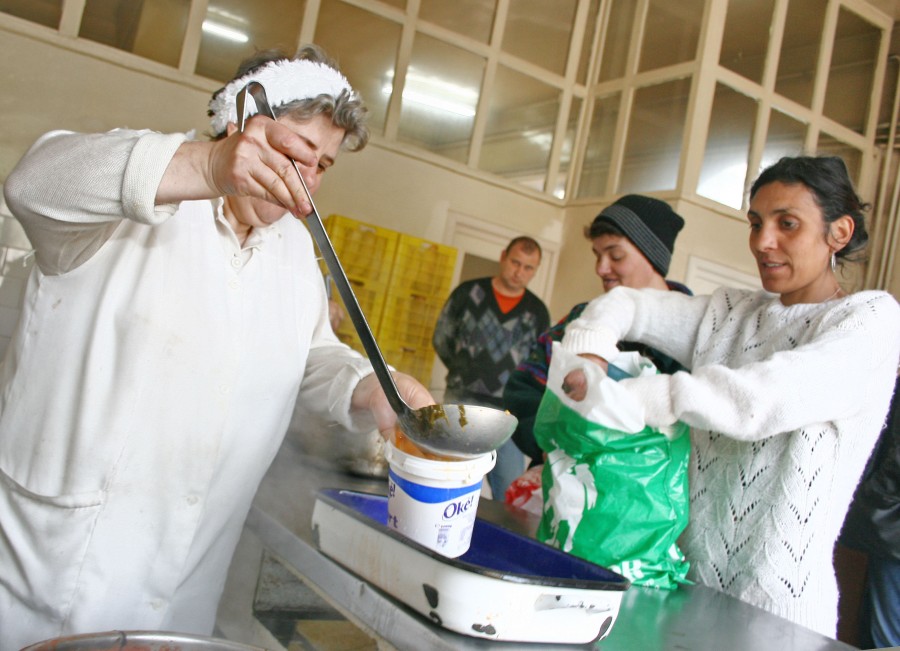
484, 330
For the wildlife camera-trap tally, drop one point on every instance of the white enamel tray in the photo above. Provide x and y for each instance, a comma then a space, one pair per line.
506, 587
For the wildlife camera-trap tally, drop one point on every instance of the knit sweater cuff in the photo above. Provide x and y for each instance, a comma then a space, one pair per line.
654, 392
146, 166
597, 341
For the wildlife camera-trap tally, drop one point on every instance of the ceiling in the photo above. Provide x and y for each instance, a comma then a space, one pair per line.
890, 7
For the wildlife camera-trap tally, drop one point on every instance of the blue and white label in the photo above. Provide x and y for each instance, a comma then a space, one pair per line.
436, 517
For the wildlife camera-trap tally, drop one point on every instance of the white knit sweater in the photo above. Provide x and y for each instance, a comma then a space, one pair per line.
785, 405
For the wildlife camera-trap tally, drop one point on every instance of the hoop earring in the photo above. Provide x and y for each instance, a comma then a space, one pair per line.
833, 262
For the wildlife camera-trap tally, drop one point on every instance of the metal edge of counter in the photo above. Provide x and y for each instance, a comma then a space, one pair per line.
372, 611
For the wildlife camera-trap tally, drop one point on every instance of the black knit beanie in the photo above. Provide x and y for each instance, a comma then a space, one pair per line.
649, 223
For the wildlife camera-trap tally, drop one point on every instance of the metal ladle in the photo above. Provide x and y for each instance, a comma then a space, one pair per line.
453, 430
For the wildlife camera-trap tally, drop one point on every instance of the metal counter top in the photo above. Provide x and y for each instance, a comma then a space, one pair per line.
693, 617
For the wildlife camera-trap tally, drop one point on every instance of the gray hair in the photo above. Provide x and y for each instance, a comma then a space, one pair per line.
347, 111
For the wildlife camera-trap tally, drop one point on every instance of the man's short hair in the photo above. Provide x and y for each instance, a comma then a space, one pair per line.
527, 244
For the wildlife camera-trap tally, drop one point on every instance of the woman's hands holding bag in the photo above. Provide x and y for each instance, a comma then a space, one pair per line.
575, 383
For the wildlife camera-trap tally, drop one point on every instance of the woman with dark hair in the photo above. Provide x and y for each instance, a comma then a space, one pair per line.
787, 394
175, 315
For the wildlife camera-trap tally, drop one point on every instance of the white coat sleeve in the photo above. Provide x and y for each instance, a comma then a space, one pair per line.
70, 190
333, 370
90, 178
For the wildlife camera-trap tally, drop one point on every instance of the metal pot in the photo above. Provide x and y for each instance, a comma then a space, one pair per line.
334, 446
357, 454
138, 641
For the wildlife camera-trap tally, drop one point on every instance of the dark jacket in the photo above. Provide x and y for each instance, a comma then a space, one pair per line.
873, 521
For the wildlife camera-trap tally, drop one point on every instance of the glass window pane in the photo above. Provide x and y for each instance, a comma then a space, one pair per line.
799, 50
618, 40
558, 187
44, 12
746, 37
785, 138
371, 74
724, 167
587, 42
539, 32
442, 87
473, 18
235, 29
653, 145
852, 72
677, 25
852, 156
153, 29
522, 115
598, 150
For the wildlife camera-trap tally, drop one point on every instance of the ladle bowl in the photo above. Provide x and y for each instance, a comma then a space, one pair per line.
452, 430
464, 431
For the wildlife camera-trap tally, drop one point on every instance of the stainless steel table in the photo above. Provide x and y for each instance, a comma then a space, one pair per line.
694, 617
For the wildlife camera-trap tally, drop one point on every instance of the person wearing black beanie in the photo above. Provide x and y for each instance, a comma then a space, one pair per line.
632, 240
650, 224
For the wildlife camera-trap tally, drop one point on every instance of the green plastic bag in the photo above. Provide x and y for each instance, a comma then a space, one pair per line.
615, 498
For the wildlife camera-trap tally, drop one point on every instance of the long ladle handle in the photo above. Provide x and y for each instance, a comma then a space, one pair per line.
314, 222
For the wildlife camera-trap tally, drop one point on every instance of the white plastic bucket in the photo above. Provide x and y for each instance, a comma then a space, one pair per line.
434, 501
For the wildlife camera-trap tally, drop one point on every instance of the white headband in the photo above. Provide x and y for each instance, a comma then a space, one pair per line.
285, 81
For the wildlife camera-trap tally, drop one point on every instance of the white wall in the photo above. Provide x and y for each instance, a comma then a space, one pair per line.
390, 188
707, 234
51, 87
46, 87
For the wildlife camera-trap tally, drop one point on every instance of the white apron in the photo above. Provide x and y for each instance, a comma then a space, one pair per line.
143, 397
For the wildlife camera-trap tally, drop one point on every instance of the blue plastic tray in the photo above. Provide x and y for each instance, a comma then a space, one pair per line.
494, 551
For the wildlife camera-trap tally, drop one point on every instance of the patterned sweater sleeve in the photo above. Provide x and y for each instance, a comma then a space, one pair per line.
444, 337
665, 320
819, 364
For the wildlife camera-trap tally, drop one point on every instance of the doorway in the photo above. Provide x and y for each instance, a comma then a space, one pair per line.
480, 245
475, 266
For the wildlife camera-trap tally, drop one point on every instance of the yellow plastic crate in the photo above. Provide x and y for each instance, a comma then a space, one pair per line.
409, 318
371, 298
417, 362
423, 267
365, 251
401, 283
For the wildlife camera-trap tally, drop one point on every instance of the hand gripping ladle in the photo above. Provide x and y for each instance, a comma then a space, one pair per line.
452, 430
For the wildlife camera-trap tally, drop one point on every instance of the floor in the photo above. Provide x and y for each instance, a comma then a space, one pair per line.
298, 618
266, 605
